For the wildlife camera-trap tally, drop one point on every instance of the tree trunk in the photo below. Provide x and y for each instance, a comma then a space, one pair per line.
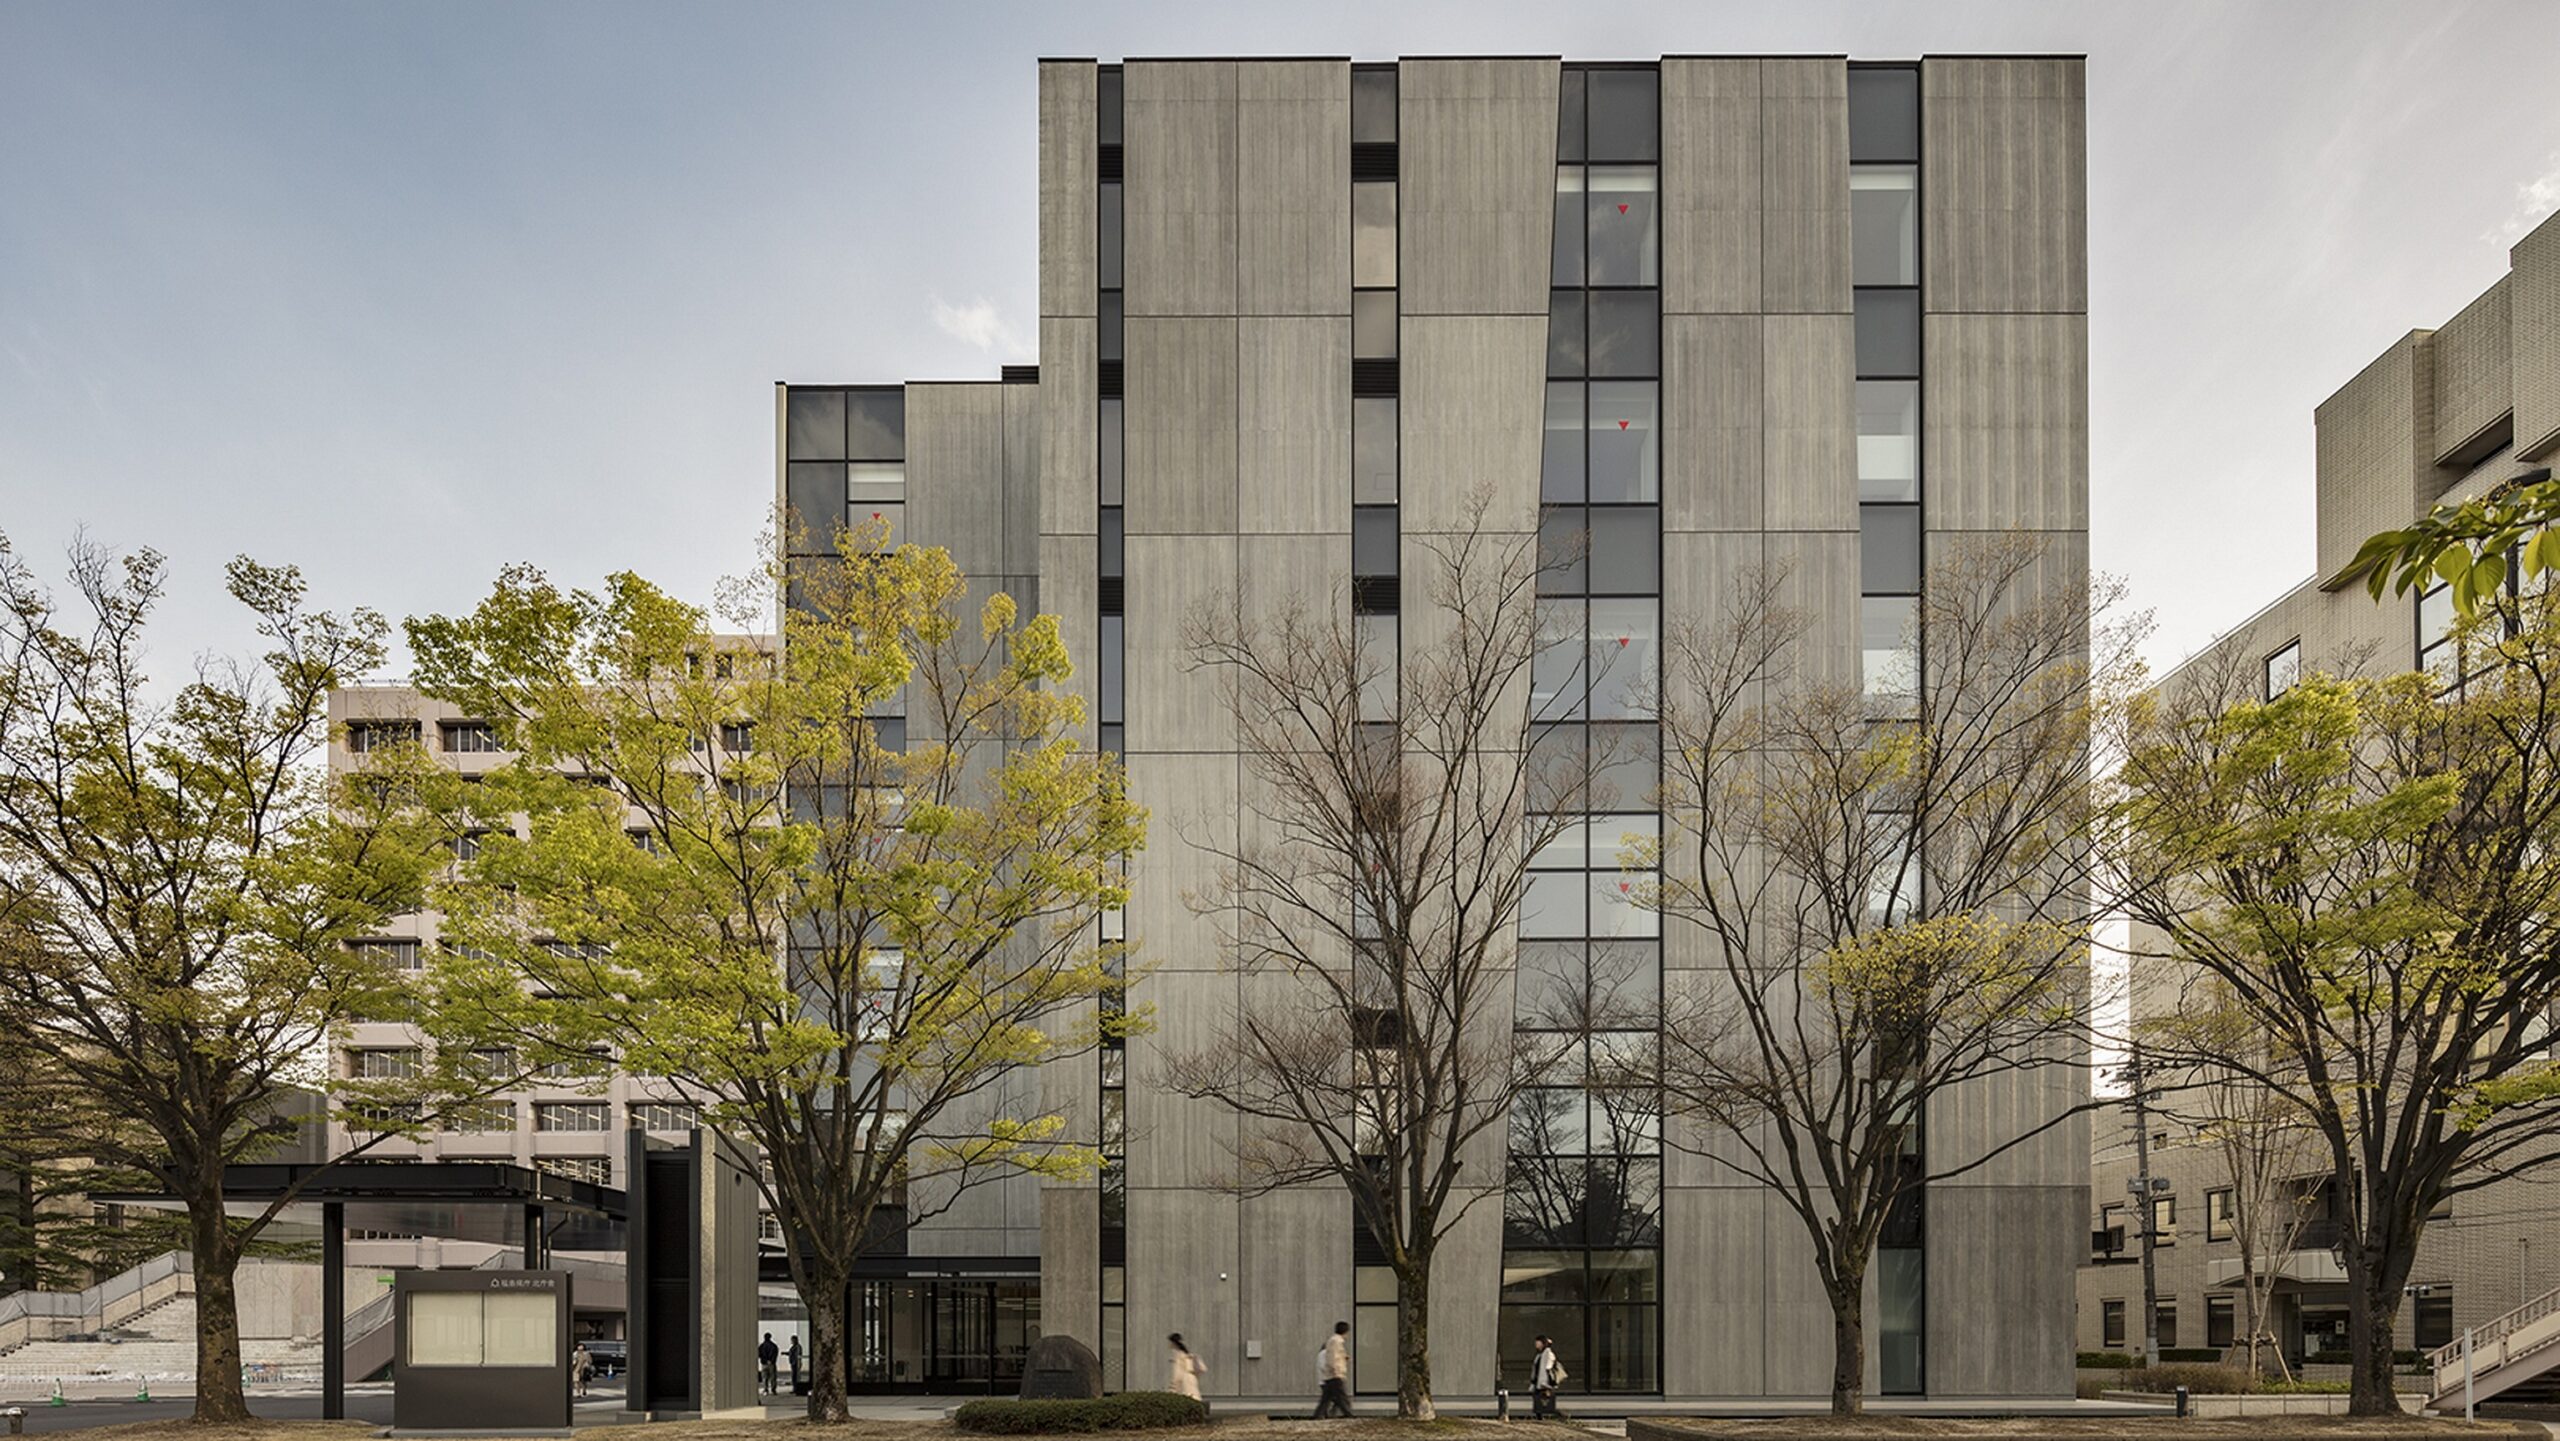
1849, 1346
828, 1298
2371, 1392
1413, 1347
218, 1394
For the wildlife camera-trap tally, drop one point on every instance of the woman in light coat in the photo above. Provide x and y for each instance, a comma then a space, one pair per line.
1186, 1369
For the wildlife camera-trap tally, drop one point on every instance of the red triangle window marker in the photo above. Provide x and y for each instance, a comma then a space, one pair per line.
1622, 640
1622, 210
1622, 425
1622, 887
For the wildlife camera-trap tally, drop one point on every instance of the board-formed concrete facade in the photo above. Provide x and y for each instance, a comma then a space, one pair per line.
2442, 415
1217, 413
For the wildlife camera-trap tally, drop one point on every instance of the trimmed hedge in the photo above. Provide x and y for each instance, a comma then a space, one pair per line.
2105, 1360
2348, 1358
1121, 1411
2199, 1380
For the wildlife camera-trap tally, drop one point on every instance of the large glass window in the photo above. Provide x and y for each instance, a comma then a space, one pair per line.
1561, 470
1625, 459
1887, 327
1889, 647
1557, 685
1888, 440
1624, 635
1373, 105
1113, 466
1373, 235
1889, 549
1884, 113
1565, 352
1884, 225
875, 425
1569, 227
2284, 669
1373, 325
1373, 450
1107, 235
1623, 122
1623, 250
1626, 549
1626, 333
816, 425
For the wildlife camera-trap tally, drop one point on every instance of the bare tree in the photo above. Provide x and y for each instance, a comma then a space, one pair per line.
1377, 897
1890, 892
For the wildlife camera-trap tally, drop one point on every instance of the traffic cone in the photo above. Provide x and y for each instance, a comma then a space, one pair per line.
57, 1394
144, 1394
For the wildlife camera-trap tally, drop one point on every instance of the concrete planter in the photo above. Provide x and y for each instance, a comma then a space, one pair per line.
2311, 1404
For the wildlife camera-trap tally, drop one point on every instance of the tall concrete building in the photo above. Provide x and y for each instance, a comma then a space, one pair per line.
2442, 415
1299, 317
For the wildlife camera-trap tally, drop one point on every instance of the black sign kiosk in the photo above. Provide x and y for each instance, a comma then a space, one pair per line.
481, 1351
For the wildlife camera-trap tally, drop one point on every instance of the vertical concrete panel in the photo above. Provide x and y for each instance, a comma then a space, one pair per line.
1466, 1294
1804, 185
1472, 421
1067, 181
2007, 431
1293, 459
1296, 1283
2533, 334
2004, 184
1809, 446
1175, 1141
1022, 445
1175, 582
1309, 572
2000, 1301
2015, 1128
2374, 462
956, 472
1796, 1344
1179, 160
2474, 380
1816, 573
1071, 1262
1067, 589
1293, 187
1713, 1265
1182, 1267
1069, 456
1712, 422
1181, 426
1173, 885
1476, 152
1710, 185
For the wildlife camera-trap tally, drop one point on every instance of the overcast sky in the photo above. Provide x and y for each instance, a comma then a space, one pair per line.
401, 293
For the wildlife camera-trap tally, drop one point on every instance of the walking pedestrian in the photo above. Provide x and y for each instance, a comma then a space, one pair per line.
582, 1364
1546, 1373
794, 1354
766, 1354
1186, 1369
1333, 1373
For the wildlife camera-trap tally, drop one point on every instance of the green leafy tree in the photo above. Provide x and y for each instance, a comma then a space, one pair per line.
2471, 546
1891, 901
177, 887
2365, 875
840, 895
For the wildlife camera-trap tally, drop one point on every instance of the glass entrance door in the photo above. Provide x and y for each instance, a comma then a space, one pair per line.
940, 1335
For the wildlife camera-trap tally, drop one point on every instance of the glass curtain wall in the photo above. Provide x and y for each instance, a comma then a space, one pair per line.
1110, 680
1582, 1216
1884, 244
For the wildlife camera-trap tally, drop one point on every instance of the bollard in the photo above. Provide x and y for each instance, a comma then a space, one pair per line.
1501, 1403
2182, 1401
17, 1420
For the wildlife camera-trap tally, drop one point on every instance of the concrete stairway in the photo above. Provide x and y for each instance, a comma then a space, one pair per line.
2512, 1357
158, 1346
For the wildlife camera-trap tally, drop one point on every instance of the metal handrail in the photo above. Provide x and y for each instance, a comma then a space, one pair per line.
2497, 1331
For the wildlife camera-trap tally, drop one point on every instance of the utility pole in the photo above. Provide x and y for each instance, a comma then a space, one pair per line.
2144, 1205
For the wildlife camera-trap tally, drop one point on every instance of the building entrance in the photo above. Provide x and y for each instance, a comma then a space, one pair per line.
941, 1334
